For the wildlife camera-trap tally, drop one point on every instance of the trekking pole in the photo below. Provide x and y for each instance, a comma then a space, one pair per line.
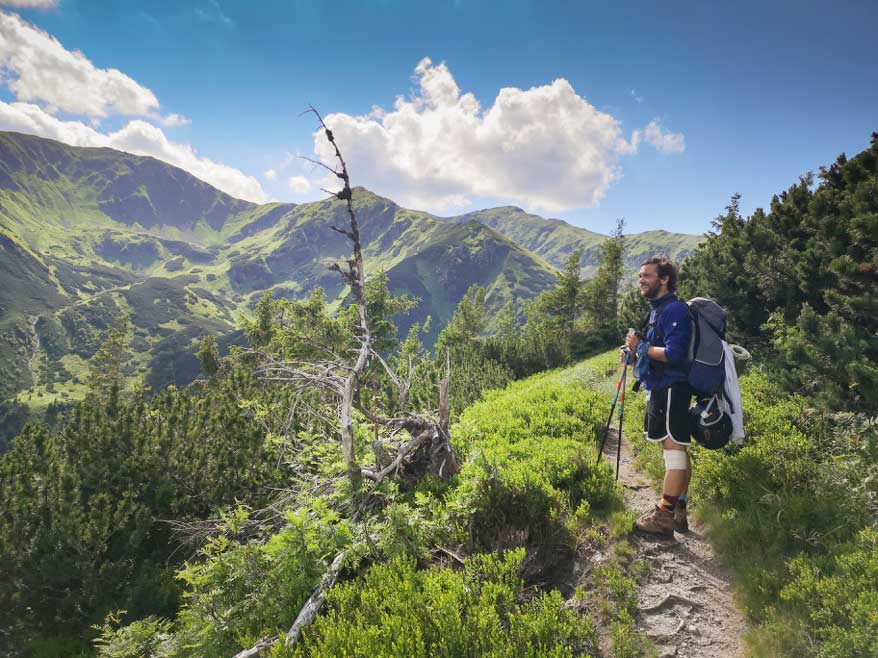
621, 418
619, 387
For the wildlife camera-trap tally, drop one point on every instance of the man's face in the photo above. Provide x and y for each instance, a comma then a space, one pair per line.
651, 286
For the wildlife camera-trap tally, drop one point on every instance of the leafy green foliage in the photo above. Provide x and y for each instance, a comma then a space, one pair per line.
398, 610
794, 512
531, 465
106, 375
839, 596
602, 291
601, 326
208, 356
783, 511
562, 306
633, 310
530, 482
239, 592
828, 358
468, 321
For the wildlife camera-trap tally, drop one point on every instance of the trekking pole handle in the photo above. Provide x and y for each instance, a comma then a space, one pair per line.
629, 353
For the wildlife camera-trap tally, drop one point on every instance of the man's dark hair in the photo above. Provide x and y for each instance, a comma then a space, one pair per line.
665, 267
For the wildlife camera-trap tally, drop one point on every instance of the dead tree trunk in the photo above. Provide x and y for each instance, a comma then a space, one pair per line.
354, 275
443, 461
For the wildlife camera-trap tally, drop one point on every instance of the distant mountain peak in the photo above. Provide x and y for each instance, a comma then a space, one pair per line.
129, 189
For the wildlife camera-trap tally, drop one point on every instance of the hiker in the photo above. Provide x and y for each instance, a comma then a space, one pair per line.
664, 349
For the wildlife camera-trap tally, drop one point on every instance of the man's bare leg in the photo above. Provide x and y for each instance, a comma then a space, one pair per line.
676, 481
660, 519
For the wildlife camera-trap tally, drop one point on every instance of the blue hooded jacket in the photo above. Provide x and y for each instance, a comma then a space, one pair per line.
674, 334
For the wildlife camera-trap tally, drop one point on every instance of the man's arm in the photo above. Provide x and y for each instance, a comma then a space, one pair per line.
656, 354
677, 330
653, 352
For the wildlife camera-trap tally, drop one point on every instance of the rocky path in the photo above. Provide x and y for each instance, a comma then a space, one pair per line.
686, 603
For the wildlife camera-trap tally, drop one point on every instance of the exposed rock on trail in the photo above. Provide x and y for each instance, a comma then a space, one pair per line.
686, 602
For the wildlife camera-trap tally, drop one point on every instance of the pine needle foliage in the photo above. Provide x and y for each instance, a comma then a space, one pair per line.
804, 275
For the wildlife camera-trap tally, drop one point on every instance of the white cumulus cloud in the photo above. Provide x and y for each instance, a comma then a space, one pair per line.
173, 120
664, 140
30, 4
270, 174
137, 137
299, 184
546, 148
36, 67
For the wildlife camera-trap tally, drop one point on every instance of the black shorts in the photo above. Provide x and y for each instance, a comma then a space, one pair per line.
667, 414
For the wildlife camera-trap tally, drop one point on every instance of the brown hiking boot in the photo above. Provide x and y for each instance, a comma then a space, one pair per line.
681, 519
657, 521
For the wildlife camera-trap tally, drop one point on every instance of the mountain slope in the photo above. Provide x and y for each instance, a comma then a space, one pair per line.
471, 253
554, 239
87, 234
76, 186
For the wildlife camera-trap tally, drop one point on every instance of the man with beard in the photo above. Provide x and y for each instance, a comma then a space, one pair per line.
666, 346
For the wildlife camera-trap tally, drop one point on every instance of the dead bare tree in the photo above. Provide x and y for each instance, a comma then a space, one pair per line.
341, 375
429, 440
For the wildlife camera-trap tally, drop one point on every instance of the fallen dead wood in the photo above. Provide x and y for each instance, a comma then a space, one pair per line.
307, 613
315, 601
404, 451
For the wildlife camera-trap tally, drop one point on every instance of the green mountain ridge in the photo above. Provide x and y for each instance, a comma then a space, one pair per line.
89, 233
554, 239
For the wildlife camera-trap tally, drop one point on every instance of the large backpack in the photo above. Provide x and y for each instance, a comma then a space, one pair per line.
706, 356
710, 425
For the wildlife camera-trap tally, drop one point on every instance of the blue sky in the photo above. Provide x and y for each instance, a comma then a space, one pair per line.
742, 97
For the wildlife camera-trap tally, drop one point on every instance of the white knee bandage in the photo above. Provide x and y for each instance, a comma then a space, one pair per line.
676, 460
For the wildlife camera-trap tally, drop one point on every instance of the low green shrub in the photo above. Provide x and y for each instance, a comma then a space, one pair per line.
238, 591
839, 598
530, 462
793, 512
244, 591
529, 483
788, 511
398, 610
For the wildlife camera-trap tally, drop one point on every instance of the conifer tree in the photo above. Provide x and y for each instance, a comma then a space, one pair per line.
563, 304
106, 376
809, 264
468, 321
601, 294
208, 356
633, 310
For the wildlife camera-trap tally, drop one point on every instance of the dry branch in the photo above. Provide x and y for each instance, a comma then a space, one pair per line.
405, 450
307, 613
315, 601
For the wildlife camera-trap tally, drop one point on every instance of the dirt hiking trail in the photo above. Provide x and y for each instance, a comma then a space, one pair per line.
686, 603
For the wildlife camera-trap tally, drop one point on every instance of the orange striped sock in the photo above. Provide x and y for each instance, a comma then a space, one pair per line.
669, 503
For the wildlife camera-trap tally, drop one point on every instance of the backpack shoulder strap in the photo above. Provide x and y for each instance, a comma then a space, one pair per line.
655, 323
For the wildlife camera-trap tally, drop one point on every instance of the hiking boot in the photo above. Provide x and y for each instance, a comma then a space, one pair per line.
657, 521
681, 519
